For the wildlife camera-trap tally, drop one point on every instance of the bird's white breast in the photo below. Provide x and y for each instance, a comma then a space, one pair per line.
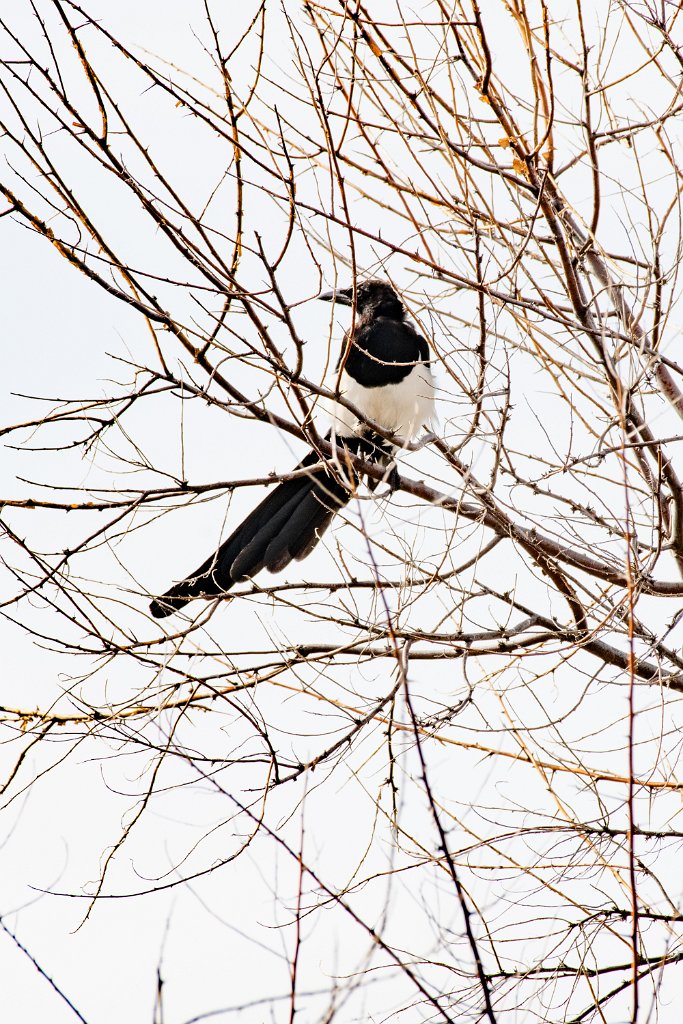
400, 408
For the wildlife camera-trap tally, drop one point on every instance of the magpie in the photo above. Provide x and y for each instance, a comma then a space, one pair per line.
384, 373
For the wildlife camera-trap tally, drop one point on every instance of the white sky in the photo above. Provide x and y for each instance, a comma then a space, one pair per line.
219, 939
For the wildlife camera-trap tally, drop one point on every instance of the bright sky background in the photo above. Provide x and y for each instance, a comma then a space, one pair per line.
218, 941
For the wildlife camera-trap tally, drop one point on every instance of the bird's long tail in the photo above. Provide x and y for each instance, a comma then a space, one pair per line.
287, 525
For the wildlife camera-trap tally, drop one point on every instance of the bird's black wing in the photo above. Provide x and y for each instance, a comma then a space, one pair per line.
384, 351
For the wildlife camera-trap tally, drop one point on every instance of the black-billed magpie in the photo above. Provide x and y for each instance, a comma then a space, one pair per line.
384, 372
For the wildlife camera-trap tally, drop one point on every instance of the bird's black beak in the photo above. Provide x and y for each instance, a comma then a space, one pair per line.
343, 296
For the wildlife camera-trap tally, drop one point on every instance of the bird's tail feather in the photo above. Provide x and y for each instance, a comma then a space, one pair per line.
285, 526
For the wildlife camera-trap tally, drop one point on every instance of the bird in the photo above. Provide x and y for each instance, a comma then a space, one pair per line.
384, 372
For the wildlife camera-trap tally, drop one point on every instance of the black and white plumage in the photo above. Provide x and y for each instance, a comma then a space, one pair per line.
385, 374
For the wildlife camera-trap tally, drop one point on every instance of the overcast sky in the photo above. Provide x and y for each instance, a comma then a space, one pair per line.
219, 941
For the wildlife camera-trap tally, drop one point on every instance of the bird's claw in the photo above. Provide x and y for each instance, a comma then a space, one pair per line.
393, 478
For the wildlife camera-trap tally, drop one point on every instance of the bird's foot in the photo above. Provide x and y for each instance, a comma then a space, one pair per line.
390, 478
393, 478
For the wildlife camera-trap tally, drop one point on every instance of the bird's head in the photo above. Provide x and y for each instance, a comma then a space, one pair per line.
373, 298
